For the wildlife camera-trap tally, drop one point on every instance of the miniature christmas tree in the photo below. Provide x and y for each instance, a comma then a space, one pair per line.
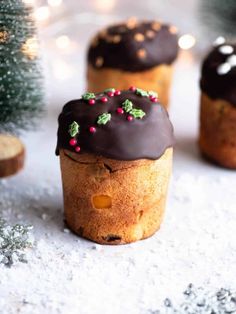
20, 76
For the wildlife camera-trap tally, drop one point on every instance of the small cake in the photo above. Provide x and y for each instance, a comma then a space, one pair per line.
115, 152
217, 138
12, 155
139, 53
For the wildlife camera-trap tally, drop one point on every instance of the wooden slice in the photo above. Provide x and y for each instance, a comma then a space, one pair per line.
12, 155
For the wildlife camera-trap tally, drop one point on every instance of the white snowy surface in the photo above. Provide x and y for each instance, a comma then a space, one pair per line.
66, 274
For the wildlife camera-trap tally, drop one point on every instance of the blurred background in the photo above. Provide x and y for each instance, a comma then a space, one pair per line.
66, 26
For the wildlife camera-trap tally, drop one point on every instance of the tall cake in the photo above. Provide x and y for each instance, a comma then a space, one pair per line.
217, 137
115, 151
136, 52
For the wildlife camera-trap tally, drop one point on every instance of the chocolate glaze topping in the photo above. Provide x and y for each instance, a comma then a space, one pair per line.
134, 46
142, 138
218, 78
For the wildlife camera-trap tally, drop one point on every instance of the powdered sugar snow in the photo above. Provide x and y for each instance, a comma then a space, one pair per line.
67, 274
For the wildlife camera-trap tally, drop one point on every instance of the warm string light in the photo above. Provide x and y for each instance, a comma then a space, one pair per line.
42, 13
66, 45
187, 41
3, 36
30, 48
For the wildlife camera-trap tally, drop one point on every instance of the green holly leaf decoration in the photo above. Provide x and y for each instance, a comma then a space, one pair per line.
141, 92
127, 105
74, 129
152, 93
88, 96
104, 118
137, 113
109, 90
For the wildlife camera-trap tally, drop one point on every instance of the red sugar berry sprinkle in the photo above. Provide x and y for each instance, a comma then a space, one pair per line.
92, 129
91, 101
110, 94
130, 118
154, 99
132, 88
119, 110
104, 99
73, 142
77, 149
117, 92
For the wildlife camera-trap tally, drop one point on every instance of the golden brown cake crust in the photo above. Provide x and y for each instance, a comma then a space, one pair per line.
12, 155
217, 138
114, 202
157, 79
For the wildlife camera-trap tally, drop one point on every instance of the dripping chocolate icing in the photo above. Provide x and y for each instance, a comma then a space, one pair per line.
219, 86
160, 48
120, 139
